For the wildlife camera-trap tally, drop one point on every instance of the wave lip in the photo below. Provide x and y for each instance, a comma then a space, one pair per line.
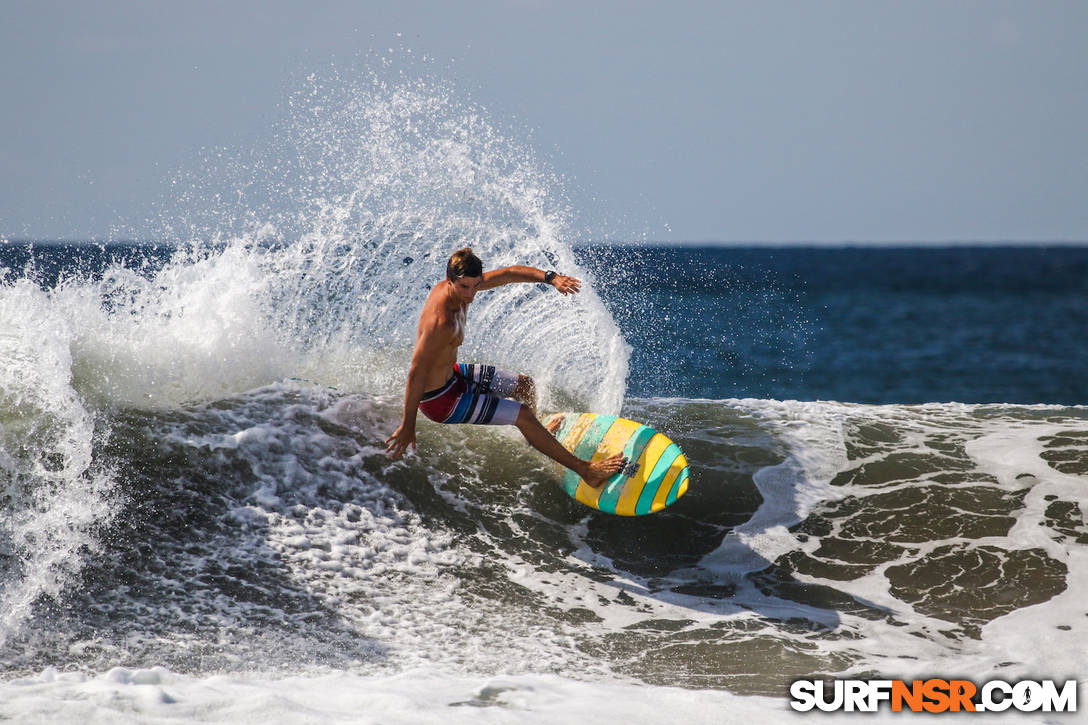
369, 186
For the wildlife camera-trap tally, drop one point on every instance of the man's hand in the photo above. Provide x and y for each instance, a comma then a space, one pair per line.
567, 285
398, 443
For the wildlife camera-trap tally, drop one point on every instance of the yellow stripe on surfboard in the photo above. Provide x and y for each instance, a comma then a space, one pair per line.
575, 436
629, 497
611, 444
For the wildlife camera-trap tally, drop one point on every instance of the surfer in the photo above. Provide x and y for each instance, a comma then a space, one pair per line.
451, 392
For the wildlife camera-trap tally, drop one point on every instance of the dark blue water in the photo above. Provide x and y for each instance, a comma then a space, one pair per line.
869, 325
970, 324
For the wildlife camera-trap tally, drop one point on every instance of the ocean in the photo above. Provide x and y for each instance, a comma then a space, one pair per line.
888, 451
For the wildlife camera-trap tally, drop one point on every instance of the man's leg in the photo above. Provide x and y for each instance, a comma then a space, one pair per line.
594, 472
508, 390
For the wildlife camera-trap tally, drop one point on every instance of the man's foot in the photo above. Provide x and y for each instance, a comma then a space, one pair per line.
554, 423
602, 470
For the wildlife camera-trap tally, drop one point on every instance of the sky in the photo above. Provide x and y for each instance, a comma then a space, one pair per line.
733, 122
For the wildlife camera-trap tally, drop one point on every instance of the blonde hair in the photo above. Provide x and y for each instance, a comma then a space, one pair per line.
463, 263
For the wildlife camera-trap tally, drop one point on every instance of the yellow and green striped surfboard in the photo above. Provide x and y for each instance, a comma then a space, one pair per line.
656, 473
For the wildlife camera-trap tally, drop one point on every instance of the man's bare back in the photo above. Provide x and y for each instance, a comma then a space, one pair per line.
441, 331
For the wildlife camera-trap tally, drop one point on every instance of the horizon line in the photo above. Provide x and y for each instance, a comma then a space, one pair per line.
677, 243
851, 242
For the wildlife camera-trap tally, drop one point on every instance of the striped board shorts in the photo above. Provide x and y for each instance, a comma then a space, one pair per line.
475, 394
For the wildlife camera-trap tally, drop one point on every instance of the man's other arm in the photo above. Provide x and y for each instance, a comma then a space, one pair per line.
518, 273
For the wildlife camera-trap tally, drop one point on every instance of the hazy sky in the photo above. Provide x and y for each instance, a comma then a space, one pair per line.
728, 121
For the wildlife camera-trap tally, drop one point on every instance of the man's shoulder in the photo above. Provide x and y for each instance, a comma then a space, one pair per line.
438, 318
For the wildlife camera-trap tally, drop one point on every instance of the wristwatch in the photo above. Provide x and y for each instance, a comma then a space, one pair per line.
549, 276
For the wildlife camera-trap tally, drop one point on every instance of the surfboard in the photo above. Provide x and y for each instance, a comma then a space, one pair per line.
655, 476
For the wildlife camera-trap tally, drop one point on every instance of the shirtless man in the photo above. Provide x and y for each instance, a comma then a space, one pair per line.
451, 392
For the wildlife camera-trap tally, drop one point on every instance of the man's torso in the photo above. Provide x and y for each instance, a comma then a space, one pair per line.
451, 323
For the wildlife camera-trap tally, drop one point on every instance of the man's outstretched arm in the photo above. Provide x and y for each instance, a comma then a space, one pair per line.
518, 273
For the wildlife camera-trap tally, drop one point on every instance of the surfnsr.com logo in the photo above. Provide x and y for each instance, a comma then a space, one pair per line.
933, 695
